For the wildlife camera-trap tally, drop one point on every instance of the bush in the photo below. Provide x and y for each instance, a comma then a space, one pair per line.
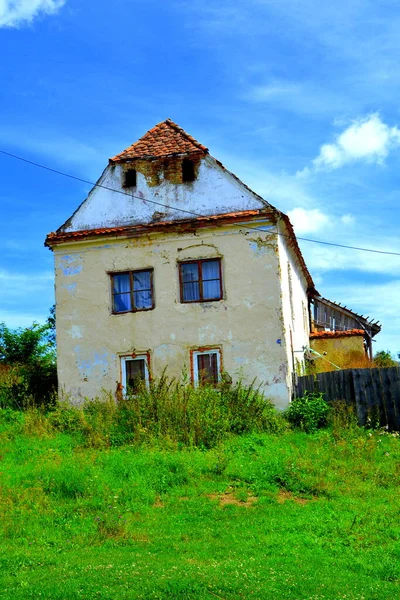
171, 410
308, 413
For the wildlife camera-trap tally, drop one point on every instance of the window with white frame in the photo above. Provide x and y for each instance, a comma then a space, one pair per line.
135, 372
206, 366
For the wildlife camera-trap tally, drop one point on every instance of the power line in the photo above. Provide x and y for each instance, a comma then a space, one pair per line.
190, 212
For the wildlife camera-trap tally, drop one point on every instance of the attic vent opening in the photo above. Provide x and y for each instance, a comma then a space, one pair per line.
129, 179
187, 170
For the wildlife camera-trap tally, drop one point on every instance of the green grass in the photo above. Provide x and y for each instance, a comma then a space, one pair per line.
262, 516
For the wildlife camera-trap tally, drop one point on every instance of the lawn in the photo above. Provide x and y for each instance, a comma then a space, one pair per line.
263, 516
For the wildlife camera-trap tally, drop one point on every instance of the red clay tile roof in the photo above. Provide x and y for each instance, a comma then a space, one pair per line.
56, 237
335, 334
163, 139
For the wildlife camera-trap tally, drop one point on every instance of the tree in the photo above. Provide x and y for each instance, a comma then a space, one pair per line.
28, 359
383, 358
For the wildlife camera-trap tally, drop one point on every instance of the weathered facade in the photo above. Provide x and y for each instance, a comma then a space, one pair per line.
172, 262
347, 335
333, 350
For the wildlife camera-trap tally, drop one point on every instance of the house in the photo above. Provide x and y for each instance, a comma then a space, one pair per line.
339, 336
173, 262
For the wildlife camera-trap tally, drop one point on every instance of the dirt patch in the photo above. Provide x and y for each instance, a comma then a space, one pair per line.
284, 495
158, 504
229, 498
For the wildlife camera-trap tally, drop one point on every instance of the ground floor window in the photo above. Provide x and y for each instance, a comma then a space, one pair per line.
206, 366
135, 371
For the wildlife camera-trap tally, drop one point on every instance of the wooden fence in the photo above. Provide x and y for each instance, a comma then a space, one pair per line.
374, 392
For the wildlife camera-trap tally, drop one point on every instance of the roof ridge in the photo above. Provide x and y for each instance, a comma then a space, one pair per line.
185, 133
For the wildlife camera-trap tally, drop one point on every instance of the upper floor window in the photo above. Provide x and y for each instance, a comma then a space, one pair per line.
132, 291
129, 178
200, 280
187, 170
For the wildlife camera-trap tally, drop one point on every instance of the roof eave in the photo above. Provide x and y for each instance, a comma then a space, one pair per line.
180, 225
296, 248
118, 159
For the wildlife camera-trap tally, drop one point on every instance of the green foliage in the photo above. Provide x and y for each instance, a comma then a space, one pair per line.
27, 366
259, 516
385, 359
170, 410
308, 413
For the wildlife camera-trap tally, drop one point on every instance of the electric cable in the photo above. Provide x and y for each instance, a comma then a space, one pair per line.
190, 212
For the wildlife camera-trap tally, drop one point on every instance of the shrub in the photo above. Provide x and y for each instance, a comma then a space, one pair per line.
171, 410
308, 413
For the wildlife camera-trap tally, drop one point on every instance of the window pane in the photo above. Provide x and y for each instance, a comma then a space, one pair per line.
207, 365
210, 269
190, 292
122, 283
190, 272
135, 373
141, 281
143, 299
122, 302
211, 290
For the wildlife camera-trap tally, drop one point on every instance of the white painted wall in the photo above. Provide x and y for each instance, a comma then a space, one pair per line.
294, 304
214, 191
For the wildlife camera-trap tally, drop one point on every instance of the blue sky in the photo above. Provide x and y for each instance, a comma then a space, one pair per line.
299, 99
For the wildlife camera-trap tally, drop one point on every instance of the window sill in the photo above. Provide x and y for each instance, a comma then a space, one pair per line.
201, 301
127, 312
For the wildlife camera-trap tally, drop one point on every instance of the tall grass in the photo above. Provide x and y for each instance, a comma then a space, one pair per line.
170, 410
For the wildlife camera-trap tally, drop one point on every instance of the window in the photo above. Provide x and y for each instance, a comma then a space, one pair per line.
206, 366
200, 280
187, 170
132, 291
129, 178
135, 372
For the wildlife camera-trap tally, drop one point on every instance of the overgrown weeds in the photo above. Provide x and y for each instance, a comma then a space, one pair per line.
115, 500
168, 410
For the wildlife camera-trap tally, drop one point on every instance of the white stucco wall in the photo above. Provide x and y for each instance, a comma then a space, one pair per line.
247, 324
214, 191
294, 304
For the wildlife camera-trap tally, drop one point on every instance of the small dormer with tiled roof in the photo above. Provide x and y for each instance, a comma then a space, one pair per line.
166, 175
165, 139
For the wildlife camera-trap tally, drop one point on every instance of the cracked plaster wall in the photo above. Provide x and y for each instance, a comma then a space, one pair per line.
214, 191
247, 324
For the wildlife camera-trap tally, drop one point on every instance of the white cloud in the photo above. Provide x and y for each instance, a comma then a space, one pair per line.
305, 98
311, 220
14, 13
308, 221
367, 139
347, 219
322, 259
